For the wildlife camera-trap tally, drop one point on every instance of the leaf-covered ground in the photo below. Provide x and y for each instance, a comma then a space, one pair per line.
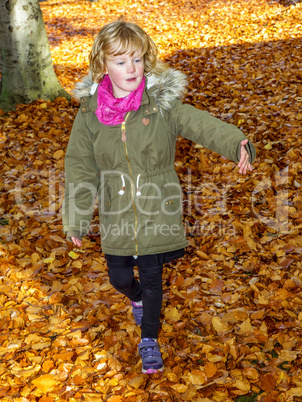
232, 311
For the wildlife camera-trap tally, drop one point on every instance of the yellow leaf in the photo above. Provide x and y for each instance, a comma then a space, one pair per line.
219, 325
41, 345
294, 392
243, 385
197, 377
169, 327
282, 294
26, 372
20, 399
105, 286
77, 264
56, 286
251, 373
47, 365
100, 355
202, 255
268, 146
172, 314
44, 383
115, 398
113, 363
172, 377
63, 356
59, 154
113, 382
21, 118
136, 382
181, 388
35, 257
239, 314
288, 355
73, 255
215, 358
246, 327
48, 260
32, 338
95, 398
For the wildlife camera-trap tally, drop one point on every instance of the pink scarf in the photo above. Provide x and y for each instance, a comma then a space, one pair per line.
111, 111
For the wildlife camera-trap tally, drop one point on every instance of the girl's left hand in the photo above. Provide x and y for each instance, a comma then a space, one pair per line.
77, 242
244, 162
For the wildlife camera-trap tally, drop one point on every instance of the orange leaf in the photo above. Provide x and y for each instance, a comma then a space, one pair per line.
210, 369
216, 286
44, 383
267, 382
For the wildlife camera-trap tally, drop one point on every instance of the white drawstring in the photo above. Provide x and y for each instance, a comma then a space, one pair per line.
122, 191
138, 193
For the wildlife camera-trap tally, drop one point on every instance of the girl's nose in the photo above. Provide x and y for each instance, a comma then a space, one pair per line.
131, 68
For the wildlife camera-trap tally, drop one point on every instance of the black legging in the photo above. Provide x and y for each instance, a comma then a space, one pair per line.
148, 289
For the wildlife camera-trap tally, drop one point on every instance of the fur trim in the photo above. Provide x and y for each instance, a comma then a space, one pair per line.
169, 85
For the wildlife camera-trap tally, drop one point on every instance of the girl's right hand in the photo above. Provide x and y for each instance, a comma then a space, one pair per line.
77, 242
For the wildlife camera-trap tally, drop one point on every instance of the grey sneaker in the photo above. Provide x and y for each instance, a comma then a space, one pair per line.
151, 356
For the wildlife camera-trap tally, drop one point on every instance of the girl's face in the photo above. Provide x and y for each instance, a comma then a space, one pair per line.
126, 73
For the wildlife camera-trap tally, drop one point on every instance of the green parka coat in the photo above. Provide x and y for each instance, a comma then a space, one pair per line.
137, 188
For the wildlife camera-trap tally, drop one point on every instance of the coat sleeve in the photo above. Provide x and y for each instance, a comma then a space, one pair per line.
81, 180
212, 133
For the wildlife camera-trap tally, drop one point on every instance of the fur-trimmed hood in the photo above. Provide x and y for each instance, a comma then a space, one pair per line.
166, 87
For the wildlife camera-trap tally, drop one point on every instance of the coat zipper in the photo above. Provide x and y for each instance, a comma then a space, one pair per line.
131, 180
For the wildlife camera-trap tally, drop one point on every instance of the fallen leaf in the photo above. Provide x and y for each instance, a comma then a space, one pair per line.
210, 369
73, 255
172, 314
219, 325
136, 382
45, 383
267, 382
180, 388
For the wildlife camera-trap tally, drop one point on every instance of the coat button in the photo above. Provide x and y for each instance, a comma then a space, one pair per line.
83, 109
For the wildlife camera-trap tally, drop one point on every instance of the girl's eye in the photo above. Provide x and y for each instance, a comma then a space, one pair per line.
121, 63
137, 60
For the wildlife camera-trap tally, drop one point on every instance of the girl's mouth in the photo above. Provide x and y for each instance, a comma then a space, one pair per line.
131, 79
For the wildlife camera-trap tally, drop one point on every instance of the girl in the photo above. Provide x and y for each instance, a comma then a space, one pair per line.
122, 149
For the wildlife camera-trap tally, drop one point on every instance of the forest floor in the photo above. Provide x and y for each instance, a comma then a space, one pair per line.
232, 310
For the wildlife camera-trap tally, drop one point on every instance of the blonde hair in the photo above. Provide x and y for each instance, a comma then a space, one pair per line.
118, 38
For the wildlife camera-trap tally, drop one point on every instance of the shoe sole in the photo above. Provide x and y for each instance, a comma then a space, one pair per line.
153, 371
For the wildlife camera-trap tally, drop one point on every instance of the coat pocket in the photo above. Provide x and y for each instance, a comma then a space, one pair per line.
172, 202
104, 199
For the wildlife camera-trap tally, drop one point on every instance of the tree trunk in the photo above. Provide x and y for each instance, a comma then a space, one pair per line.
25, 59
